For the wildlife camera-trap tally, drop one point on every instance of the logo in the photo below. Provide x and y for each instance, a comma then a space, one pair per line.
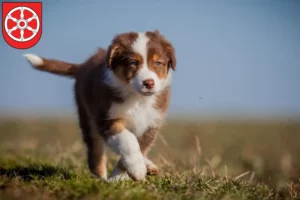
22, 23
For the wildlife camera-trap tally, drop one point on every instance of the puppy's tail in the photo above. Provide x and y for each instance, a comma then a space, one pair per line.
51, 65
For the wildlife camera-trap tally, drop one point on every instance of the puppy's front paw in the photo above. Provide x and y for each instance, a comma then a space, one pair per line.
118, 174
135, 166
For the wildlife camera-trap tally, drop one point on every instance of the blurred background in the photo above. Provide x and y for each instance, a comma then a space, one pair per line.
234, 58
238, 61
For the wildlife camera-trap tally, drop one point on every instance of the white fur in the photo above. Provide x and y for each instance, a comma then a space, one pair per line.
136, 85
34, 59
138, 110
140, 46
118, 175
138, 113
126, 90
126, 145
145, 74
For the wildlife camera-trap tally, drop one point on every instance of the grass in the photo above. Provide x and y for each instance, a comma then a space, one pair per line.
45, 159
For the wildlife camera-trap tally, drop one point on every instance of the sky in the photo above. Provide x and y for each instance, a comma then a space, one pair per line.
233, 57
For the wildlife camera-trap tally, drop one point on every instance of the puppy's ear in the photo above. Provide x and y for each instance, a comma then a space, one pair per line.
168, 47
171, 55
112, 52
156, 32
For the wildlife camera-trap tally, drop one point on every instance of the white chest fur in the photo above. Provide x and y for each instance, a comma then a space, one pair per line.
138, 112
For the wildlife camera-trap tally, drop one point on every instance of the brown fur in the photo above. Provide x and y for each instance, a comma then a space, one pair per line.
58, 67
94, 97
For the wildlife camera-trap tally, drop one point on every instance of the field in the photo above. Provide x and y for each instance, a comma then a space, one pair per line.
211, 159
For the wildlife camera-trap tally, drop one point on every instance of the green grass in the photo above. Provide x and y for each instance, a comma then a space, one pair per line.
45, 159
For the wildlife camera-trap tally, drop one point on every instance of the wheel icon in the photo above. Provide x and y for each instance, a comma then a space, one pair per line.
21, 24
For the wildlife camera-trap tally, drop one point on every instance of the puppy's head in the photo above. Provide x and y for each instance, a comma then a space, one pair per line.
142, 61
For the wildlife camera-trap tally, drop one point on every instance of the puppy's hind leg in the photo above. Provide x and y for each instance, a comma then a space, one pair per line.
94, 143
96, 154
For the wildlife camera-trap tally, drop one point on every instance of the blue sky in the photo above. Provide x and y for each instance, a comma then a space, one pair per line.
234, 57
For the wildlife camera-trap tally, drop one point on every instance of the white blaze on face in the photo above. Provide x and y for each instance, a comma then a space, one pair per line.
140, 46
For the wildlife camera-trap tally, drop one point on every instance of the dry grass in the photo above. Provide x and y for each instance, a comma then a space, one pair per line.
212, 159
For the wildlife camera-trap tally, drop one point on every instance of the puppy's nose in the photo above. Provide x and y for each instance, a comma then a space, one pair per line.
149, 83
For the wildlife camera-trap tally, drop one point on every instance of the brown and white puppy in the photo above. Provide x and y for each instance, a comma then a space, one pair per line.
122, 96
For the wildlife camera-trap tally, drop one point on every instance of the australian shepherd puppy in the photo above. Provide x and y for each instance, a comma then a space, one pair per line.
122, 96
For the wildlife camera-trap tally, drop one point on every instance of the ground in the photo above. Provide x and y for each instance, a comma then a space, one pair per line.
44, 158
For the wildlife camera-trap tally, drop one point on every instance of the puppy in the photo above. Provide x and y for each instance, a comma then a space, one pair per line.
122, 96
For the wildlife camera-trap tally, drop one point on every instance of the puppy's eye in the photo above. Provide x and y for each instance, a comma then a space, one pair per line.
158, 64
133, 63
